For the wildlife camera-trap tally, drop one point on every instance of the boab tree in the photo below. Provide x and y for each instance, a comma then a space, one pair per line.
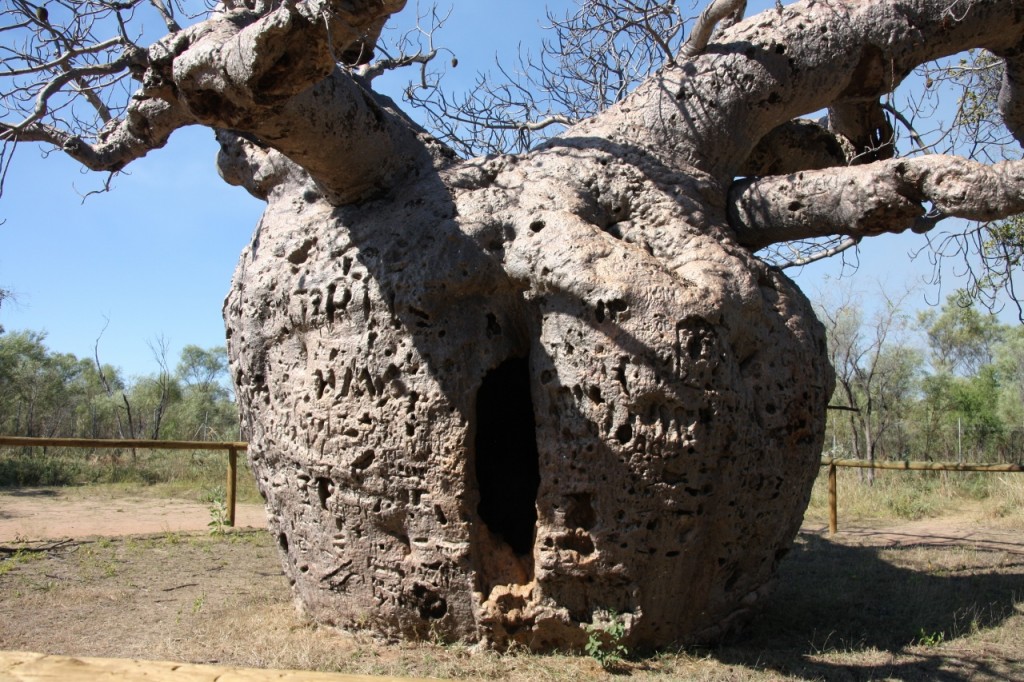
503, 397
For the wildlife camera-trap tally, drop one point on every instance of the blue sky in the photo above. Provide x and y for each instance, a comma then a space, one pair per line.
154, 257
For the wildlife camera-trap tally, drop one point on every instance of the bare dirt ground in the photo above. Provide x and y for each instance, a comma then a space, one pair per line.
957, 531
51, 513
941, 599
61, 513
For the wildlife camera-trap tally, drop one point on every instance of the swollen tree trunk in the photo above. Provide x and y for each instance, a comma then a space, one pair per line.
485, 408
511, 396
504, 398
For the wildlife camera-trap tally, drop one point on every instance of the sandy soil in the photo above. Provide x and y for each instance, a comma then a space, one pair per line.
54, 513
940, 532
931, 600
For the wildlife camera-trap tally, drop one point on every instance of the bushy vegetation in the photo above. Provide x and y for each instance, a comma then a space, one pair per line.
947, 385
47, 394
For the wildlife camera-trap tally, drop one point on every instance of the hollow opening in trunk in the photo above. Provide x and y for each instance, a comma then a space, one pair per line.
507, 464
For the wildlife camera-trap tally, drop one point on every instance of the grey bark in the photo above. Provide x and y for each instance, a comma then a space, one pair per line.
500, 398
867, 201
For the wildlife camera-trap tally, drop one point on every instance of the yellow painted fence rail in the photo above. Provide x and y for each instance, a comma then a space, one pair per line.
232, 448
833, 464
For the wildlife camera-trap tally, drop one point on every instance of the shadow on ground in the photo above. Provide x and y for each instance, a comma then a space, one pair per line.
893, 603
30, 492
24, 492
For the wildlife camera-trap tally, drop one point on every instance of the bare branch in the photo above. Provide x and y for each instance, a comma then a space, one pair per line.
907, 124
167, 14
821, 254
706, 22
68, 75
371, 71
63, 59
148, 126
594, 58
403, 49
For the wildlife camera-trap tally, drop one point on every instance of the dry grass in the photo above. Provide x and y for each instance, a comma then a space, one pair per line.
842, 611
913, 495
196, 475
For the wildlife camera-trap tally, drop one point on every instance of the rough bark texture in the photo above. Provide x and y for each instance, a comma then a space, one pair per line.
482, 408
504, 398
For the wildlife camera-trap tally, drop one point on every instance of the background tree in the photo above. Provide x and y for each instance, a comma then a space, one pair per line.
876, 371
961, 340
207, 407
963, 386
1010, 370
49, 394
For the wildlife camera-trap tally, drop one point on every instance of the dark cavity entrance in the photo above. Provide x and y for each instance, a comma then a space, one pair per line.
507, 466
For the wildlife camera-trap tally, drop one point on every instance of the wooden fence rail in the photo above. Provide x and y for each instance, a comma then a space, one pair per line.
833, 464
232, 447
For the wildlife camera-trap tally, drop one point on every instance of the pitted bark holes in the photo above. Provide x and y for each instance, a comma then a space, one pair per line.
507, 466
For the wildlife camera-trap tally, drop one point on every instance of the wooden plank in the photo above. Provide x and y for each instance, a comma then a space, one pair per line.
232, 478
20, 441
21, 666
833, 501
922, 466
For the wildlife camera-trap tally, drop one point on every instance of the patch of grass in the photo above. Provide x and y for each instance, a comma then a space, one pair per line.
930, 638
8, 562
165, 473
911, 502
912, 495
1008, 497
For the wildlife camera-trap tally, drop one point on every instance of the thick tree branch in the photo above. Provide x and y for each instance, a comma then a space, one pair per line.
715, 12
1011, 94
795, 146
886, 196
864, 124
778, 66
147, 125
275, 79
262, 171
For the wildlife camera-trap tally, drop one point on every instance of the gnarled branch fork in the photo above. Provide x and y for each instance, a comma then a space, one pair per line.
274, 77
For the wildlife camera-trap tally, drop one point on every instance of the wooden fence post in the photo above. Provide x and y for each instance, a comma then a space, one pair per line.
833, 511
232, 475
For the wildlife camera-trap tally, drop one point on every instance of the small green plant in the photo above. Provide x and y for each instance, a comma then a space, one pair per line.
605, 642
218, 512
9, 563
930, 638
